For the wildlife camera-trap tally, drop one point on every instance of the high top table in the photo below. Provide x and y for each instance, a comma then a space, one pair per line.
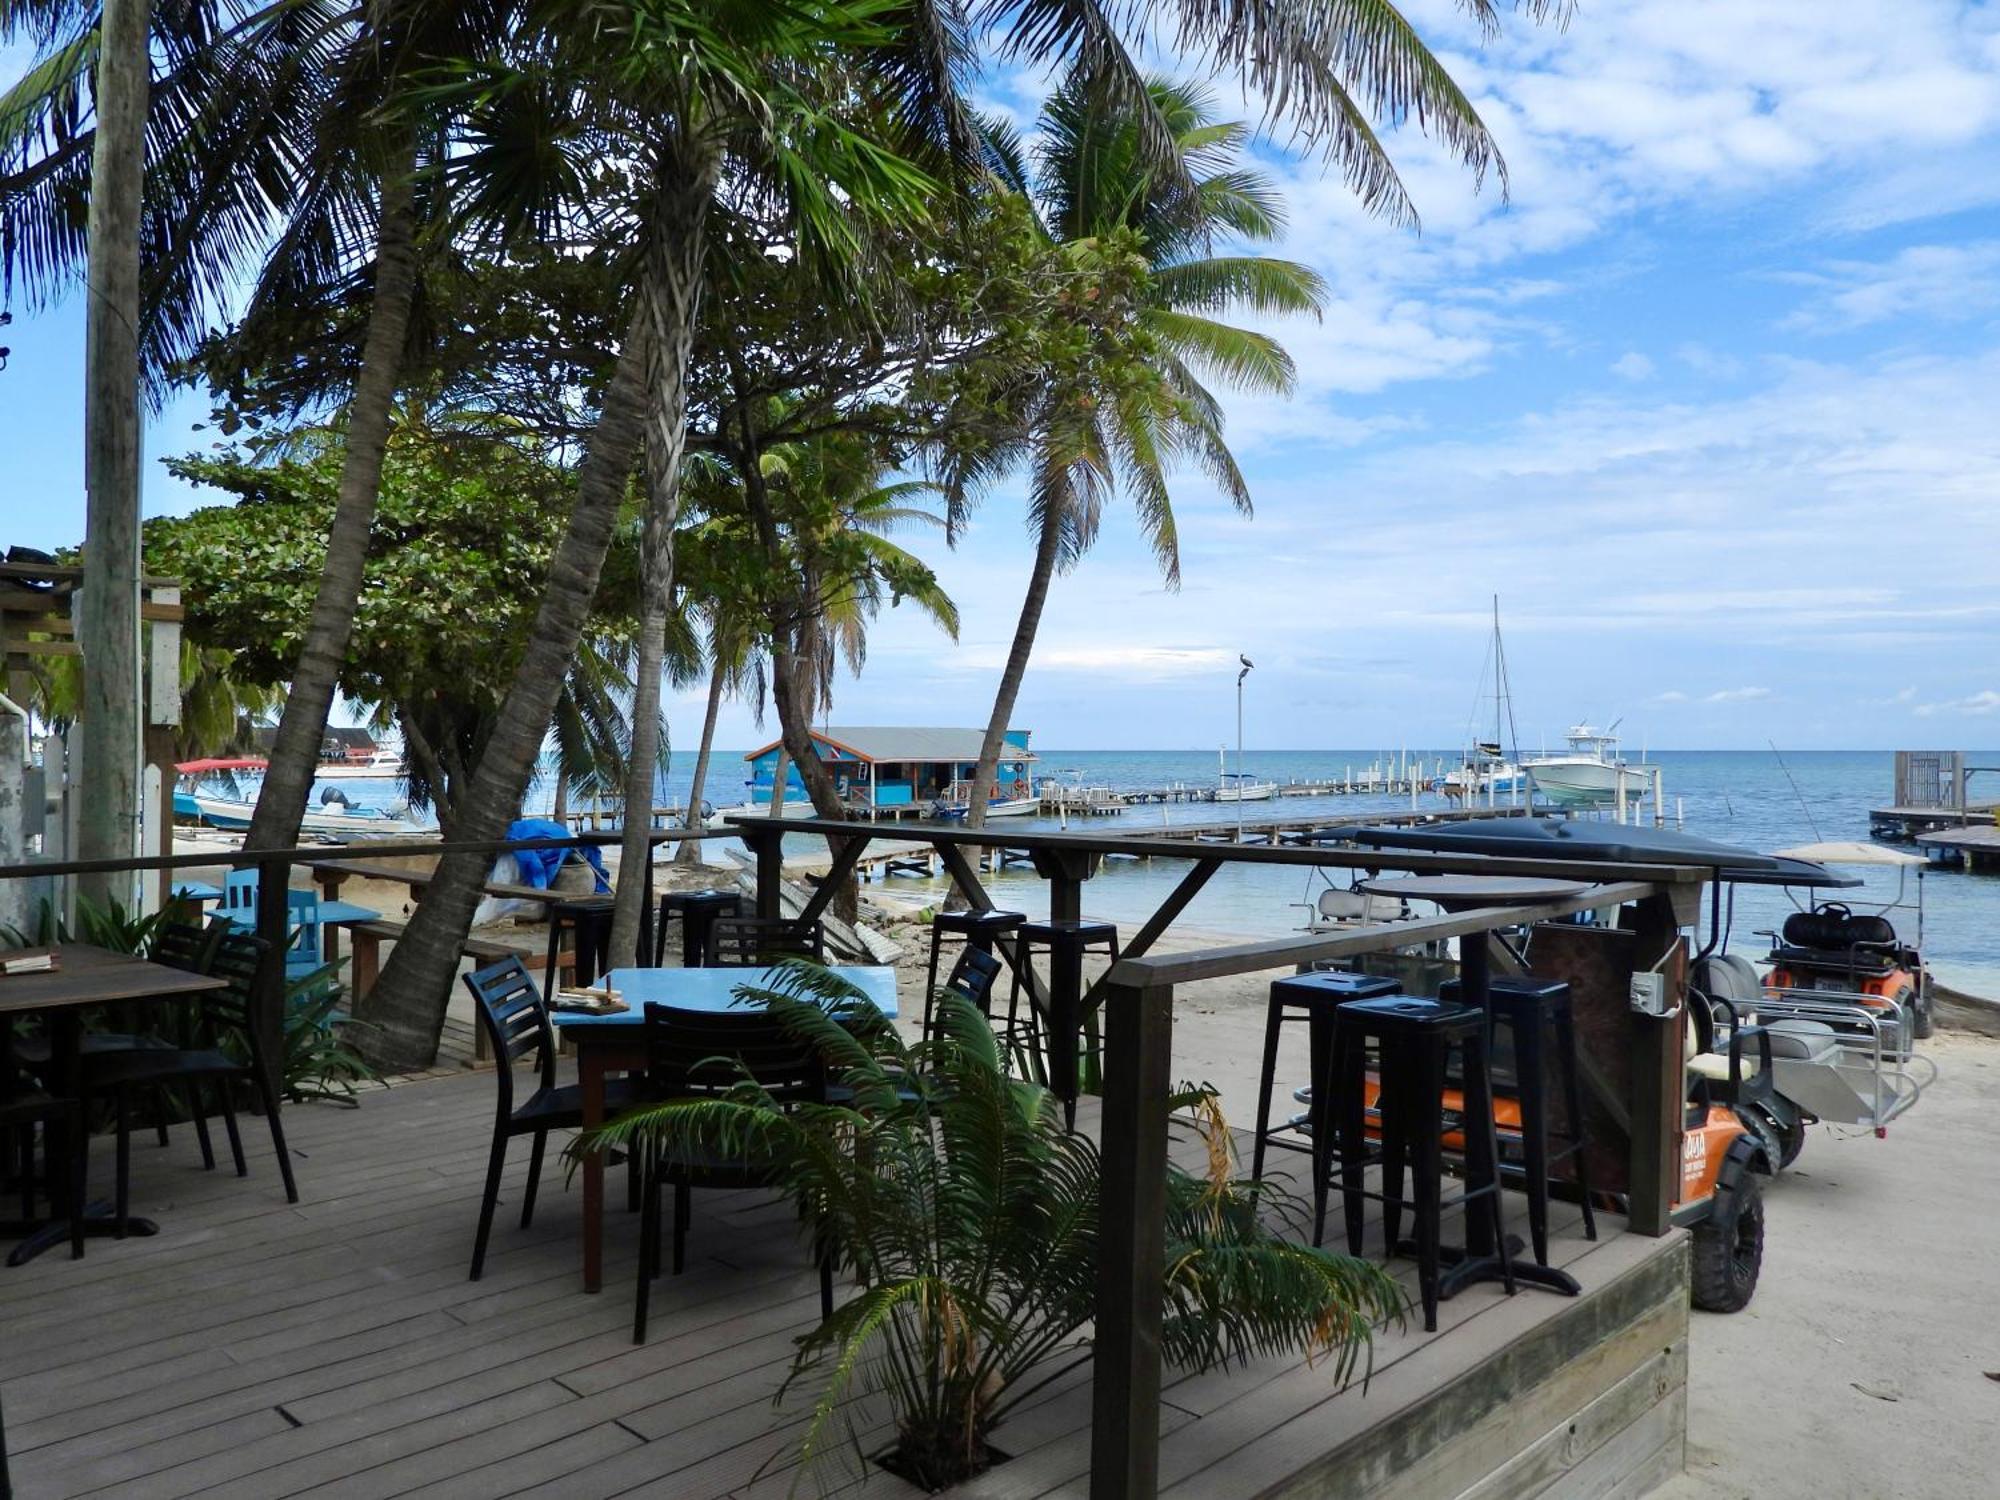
615, 1044
88, 976
1481, 1258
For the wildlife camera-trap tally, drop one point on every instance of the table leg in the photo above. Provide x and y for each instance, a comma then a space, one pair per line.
590, 1075
65, 1056
1065, 1026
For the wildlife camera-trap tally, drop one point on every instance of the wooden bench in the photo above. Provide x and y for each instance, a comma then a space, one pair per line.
368, 940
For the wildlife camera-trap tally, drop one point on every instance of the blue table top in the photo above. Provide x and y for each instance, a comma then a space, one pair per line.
715, 989
339, 913
198, 890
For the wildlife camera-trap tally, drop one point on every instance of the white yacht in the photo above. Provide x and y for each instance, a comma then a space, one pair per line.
1590, 773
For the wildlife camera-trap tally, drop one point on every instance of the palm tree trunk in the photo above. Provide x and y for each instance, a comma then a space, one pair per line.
656, 584
690, 850
1047, 548
295, 750
407, 1007
109, 628
405, 1011
670, 298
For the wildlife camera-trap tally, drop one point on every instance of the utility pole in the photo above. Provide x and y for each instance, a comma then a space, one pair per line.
1247, 664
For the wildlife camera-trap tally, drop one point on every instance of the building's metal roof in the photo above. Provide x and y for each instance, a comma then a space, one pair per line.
894, 742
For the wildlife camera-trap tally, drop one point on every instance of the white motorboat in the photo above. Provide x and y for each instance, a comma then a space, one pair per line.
380, 765
1590, 773
1240, 786
1013, 807
210, 791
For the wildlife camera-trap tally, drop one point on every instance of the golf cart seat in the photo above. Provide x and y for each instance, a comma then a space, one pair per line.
1833, 936
1801, 1041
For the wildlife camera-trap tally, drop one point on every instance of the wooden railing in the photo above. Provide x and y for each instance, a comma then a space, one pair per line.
1137, 997
274, 867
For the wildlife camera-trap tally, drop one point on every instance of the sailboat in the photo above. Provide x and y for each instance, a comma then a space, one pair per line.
1487, 771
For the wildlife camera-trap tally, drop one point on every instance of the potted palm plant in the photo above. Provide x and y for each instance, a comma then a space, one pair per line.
968, 1217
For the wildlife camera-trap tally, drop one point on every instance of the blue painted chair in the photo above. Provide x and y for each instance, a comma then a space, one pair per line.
302, 951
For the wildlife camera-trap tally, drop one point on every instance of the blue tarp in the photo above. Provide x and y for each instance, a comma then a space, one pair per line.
537, 867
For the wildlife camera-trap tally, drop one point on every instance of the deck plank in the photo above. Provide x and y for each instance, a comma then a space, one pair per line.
336, 1347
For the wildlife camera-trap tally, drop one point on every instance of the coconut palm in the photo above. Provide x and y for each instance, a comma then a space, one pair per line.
286, 131
1079, 442
732, 94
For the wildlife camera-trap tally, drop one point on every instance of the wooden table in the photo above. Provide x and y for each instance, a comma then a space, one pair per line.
88, 976
616, 1044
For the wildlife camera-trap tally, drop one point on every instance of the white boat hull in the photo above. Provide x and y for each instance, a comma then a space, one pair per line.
1587, 783
234, 813
360, 770
1014, 807
1262, 792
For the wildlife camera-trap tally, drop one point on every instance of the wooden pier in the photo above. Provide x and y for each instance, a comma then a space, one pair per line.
1933, 792
1974, 847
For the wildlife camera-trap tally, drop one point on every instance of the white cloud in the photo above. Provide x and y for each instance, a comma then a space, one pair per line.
1738, 695
1632, 366
1671, 695
1974, 704
1927, 281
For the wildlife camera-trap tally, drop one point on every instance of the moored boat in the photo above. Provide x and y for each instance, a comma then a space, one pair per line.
1590, 773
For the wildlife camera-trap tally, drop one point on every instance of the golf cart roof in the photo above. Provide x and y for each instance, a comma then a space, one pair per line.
1851, 852
1613, 843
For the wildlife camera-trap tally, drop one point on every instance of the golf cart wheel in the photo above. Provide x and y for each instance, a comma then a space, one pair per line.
1923, 1021
1729, 1251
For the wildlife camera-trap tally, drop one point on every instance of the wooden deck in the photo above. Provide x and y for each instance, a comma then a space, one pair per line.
254, 1349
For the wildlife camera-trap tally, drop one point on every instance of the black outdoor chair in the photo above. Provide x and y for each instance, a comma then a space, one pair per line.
691, 1053
974, 977
178, 945
757, 942
217, 1015
516, 1019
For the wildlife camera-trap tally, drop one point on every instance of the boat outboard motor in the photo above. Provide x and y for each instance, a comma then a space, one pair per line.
333, 796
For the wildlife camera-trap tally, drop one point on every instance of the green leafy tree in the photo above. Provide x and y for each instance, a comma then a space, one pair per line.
461, 544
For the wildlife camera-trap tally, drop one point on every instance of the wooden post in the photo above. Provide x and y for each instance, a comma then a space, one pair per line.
1131, 1254
768, 844
1658, 1087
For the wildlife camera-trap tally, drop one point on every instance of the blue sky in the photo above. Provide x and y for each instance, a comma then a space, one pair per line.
1709, 403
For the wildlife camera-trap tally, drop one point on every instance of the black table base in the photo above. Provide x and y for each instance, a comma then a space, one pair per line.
99, 1223
1464, 1268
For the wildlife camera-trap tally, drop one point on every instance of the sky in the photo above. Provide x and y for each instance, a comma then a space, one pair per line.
1708, 399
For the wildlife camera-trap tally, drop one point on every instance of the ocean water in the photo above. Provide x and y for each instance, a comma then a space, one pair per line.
1740, 797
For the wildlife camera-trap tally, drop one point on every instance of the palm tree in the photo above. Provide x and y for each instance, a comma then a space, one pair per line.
699, 99
1077, 440
743, 82
285, 131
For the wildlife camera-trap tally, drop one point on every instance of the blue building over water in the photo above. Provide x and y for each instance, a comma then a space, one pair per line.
888, 770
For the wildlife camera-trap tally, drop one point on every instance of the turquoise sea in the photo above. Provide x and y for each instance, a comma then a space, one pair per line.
1738, 796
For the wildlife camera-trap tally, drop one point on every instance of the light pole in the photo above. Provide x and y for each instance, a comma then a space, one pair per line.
1247, 664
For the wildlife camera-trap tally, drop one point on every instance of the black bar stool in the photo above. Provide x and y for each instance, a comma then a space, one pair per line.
977, 930
1416, 1039
1067, 940
1312, 998
588, 922
1529, 1009
697, 911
